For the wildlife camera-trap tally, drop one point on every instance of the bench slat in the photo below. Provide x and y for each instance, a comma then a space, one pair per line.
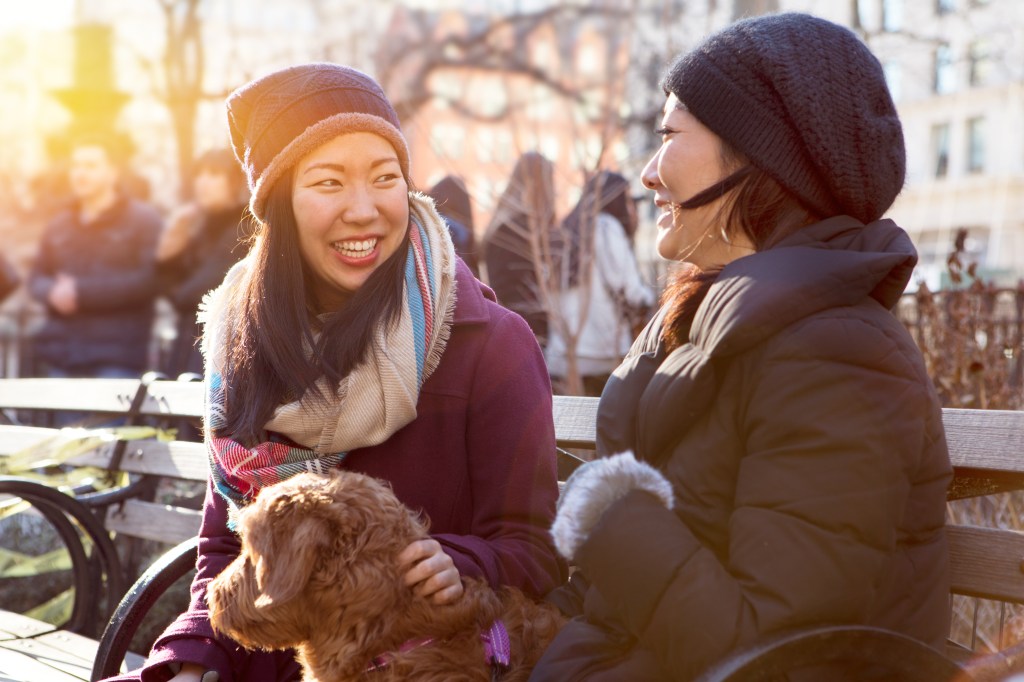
987, 440
90, 395
15, 438
175, 459
153, 521
15, 626
575, 421
26, 667
987, 563
174, 398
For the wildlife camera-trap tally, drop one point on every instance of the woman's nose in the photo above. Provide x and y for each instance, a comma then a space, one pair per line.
649, 175
361, 208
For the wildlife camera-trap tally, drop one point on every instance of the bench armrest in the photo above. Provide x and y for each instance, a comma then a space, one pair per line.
60, 510
141, 596
908, 659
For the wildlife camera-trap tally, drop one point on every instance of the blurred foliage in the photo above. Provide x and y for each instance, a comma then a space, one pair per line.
971, 338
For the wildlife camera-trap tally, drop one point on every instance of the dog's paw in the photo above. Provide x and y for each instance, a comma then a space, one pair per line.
593, 488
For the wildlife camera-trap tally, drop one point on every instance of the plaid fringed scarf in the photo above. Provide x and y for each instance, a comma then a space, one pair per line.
371, 403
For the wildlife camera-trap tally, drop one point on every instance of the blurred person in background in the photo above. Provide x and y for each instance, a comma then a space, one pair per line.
454, 205
199, 246
10, 280
601, 298
95, 272
524, 217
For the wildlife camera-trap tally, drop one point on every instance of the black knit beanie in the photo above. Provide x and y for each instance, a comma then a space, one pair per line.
804, 100
276, 120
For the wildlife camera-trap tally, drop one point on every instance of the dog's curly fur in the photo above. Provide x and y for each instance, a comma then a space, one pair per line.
318, 572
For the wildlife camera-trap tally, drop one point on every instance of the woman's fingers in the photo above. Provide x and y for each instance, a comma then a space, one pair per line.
430, 572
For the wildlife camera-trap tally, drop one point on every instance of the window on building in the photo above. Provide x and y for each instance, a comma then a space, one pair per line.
540, 105
447, 89
944, 69
504, 147
589, 61
750, 8
976, 144
485, 145
489, 97
867, 12
940, 149
894, 79
892, 15
550, 147
981, 63
447, 140
945, 6
930, 249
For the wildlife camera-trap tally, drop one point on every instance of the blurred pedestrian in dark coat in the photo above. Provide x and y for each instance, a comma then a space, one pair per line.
201, 242
454, 205
95, 273
523, 219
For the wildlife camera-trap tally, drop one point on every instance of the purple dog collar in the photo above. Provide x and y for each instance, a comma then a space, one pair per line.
497, 649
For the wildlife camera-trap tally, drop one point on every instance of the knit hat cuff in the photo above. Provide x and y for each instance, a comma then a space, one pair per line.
320, 133
753, 129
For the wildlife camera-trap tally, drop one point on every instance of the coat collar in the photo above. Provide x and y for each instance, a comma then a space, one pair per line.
837, 262
472, 297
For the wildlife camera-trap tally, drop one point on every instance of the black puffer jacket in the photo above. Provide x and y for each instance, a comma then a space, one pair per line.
804, 443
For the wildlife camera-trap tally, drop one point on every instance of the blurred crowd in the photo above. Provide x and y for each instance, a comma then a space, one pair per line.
105, 256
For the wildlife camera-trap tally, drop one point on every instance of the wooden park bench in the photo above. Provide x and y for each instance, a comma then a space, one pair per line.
88, 521
987, 449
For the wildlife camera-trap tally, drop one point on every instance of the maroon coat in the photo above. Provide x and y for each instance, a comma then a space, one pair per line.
479, 460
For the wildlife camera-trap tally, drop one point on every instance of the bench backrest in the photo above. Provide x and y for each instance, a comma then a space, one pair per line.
175, 460
987, 451
986, 448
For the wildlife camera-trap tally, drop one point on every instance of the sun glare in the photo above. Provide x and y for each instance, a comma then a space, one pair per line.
44, 14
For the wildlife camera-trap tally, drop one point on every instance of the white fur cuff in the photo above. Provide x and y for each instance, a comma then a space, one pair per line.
593, 488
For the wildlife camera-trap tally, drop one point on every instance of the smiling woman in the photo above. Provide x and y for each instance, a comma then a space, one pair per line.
352, 337
352, 209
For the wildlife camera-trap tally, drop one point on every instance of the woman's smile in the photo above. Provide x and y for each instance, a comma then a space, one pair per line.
357, 251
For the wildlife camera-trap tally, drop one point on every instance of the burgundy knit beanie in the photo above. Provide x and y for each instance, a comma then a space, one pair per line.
276, 120
804, 100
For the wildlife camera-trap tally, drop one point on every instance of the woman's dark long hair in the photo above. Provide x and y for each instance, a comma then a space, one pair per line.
605, 192
761, 209
274, 355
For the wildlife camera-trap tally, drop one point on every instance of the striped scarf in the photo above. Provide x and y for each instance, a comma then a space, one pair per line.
370, 404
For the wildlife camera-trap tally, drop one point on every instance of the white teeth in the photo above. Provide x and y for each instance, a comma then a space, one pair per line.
356, 248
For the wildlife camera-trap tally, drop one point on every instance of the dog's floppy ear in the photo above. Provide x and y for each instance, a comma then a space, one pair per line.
283, 550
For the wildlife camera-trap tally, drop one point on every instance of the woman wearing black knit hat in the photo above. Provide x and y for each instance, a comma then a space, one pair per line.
352, 337
771, 449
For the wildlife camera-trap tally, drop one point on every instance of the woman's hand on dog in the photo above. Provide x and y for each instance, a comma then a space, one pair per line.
430, 572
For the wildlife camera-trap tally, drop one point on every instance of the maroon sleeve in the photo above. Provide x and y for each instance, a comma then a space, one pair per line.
510, 439
190, 637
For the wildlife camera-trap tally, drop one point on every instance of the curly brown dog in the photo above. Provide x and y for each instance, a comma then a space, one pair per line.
318, 572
